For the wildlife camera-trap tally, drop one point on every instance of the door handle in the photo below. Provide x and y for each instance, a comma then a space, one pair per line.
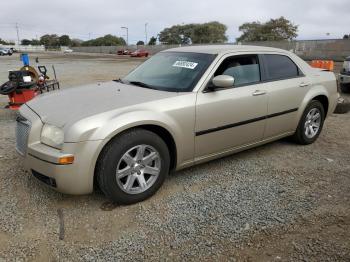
304, 84
259, 92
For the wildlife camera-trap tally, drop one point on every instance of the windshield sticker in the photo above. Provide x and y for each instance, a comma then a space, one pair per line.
185, 64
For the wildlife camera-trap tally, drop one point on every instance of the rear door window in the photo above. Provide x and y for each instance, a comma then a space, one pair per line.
280, 67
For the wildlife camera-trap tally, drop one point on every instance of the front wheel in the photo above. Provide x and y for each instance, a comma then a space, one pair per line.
133, 166
310, 124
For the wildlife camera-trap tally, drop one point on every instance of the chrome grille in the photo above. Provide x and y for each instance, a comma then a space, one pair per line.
22, 133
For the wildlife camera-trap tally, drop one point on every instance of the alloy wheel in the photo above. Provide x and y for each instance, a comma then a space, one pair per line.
138, 169
312, 123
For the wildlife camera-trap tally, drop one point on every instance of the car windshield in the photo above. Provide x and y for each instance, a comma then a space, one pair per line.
170, 71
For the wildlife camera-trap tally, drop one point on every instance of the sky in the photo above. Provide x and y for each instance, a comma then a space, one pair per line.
317, 19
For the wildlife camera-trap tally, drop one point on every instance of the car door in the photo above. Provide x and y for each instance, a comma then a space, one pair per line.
231, 117
286, 86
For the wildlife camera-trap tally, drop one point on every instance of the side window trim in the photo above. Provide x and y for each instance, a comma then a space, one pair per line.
264, 78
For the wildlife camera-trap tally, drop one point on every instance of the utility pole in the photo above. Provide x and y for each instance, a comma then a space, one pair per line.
127, 34
146, 33
89, 36
17, 34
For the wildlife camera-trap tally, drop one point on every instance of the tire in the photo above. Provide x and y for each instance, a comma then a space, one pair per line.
120, 155
343, 106
345, 88
302, 135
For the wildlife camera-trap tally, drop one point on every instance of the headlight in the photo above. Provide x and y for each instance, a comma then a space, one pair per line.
52, 136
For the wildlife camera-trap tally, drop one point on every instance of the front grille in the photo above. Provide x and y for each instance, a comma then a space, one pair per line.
22, 133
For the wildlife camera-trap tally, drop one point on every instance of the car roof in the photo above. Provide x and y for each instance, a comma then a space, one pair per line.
223, 49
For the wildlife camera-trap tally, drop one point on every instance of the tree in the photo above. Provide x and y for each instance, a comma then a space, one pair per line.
50, 40
3, 42
26, 42
273, 30
346, 37
177, 34
152, 41
107, 40
140, 43
212, 32
76, 42
64, 40
35, 42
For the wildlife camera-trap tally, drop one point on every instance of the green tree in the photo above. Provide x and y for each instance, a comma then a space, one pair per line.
152, 41
3, 42
35, 42
50, 40
346, 37
107, 40
212, 32
26, 42
273, 30
76, 42
140, 43
64, 40
177, 34
30, 42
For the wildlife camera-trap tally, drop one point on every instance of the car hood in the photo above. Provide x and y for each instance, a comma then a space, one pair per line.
73, 104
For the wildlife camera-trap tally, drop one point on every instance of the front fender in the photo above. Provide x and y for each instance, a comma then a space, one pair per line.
104, 130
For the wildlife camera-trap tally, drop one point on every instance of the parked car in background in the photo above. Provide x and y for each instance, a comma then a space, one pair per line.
5, 51
124, 52
68, 50
182, 107
344, 77
139, 53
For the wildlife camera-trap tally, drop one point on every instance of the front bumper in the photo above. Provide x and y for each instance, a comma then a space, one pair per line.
344, 79
42, 161
75, 178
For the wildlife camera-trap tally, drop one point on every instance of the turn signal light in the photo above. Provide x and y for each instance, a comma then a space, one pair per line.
66, 160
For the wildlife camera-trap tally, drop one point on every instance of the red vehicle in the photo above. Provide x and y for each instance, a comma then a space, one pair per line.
139, 53
124, 52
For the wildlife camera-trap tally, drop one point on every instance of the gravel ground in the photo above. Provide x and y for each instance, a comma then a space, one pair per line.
278, 202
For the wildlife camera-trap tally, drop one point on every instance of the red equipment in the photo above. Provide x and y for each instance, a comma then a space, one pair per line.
19, 97
21, 88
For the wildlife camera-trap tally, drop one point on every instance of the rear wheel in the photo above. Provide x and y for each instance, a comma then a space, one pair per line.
133, 166
310, 124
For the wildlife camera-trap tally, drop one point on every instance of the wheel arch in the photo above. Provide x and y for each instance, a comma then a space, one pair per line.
319, 93
324, 101
161, 131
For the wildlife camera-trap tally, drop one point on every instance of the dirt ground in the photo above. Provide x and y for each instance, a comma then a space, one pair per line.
73, 69
277, 202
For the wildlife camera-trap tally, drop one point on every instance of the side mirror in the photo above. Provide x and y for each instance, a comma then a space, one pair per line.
223, 81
